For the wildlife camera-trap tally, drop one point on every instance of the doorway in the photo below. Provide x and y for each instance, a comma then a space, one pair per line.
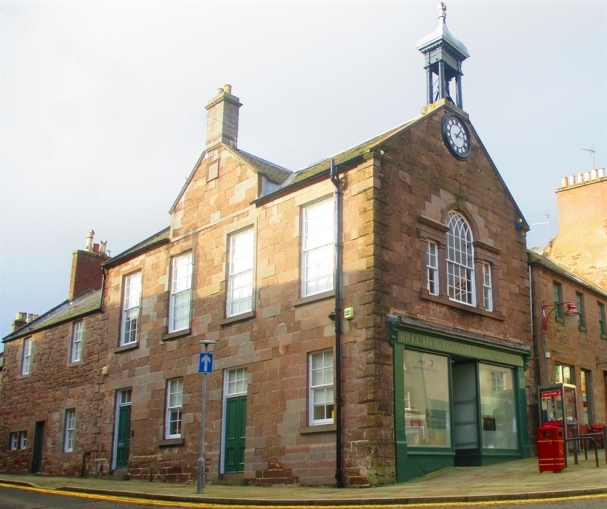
38, 445
235, 408
123, 428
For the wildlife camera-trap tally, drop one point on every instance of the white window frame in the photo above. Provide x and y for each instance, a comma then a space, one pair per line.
241, 261
321, 382
318, 247
174, 411
460, 260
236, 382
487, 287
22, 439
432, 272
26, 356
13, 441
69, 430
131, 306
76, 341
181, 292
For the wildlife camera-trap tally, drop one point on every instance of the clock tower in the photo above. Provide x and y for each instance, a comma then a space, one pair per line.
444, 56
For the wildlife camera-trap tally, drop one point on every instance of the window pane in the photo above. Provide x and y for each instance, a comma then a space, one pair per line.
321, 388
498, 412
318, 248
428, 419
240, 276
460, 260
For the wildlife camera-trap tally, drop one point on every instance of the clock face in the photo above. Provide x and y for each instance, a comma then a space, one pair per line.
456, 135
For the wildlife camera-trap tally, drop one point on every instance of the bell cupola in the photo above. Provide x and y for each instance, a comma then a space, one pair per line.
444, 56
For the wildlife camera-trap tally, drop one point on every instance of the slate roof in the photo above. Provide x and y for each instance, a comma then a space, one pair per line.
347, 155
162, 237
535, 258
272, 171
66, 311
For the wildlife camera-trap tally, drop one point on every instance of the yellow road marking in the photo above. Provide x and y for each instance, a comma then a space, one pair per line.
203, 505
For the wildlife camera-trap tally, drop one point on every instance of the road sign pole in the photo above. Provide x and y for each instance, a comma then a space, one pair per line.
203, 410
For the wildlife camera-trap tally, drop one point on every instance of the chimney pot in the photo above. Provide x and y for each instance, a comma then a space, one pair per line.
601, 172
571, 180
593, 174
95, 248
564, 182
89, 241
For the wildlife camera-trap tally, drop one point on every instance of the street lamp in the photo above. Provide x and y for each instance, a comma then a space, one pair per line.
200, 470
570, 310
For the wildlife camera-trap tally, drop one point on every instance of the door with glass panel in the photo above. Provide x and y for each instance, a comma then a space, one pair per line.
123, 425
235, 404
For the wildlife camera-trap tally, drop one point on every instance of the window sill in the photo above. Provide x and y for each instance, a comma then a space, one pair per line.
125, 348
582, 328
238, 318
170, 442
320, 428
603, 336
424, 294
313, 298
177, 334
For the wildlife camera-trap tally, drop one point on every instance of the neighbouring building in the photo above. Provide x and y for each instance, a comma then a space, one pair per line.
50, 393
370, 314
570, 350
581, 244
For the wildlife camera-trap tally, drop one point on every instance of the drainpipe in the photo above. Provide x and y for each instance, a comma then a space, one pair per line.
336, 316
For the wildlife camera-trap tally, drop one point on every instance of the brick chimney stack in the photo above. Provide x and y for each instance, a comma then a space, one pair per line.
222, 118
86, 268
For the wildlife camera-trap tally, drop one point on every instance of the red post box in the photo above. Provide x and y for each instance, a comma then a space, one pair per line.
550, 449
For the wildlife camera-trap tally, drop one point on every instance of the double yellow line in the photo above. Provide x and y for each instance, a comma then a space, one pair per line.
204, 505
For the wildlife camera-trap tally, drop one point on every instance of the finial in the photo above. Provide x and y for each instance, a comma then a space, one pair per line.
442, 11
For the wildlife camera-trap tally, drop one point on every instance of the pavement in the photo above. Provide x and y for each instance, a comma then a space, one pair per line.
514, 480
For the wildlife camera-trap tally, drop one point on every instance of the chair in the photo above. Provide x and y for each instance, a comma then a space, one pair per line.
599, 428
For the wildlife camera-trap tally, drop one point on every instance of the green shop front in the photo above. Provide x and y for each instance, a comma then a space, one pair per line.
459, 400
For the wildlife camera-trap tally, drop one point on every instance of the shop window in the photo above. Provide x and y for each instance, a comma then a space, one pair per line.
432, 267
427, 419
322, 401
563, 374
586, 384
241, 256
317, 248
498, 407
460, 260
181, 292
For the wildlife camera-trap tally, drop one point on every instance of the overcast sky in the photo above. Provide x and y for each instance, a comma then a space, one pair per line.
103, 106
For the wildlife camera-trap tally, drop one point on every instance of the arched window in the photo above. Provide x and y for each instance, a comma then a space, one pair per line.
460, 260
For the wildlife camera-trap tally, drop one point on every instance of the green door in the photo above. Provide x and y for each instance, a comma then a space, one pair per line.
236, 421
124, 436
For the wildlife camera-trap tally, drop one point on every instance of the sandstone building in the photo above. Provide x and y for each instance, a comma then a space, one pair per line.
570, 350
581, 244
370, 313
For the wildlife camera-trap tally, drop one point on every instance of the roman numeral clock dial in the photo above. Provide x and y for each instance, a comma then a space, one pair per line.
456, 135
